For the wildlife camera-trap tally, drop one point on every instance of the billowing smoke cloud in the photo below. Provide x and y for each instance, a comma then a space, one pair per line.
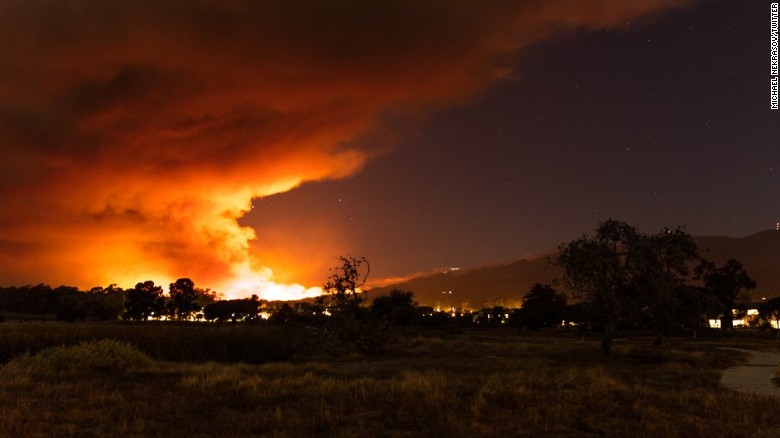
134, 134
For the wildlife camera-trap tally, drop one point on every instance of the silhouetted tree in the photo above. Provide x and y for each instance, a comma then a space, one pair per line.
627, 276
341, 293
342, 299
695, 307
770, 311
144, 301
70, 305
204, 297
284, 314
182, 296
725, 284
661, 266
39, 299
543, 306
232, 310
42, 299
104, 304
397, 308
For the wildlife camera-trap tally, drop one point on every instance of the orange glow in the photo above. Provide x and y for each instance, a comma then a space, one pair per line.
134, 140
248, 282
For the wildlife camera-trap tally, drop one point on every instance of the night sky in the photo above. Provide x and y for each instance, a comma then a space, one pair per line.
222, 142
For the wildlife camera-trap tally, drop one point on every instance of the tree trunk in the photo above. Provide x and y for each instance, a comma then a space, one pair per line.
727, 321
609, 336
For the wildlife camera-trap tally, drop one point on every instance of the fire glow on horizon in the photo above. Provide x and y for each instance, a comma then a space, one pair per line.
134, 140
248, 282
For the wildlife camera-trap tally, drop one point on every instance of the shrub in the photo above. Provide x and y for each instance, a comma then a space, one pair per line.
86, 358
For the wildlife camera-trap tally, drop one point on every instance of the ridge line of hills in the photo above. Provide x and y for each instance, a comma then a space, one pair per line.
505, 284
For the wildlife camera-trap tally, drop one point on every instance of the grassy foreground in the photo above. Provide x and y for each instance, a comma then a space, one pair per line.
476, 383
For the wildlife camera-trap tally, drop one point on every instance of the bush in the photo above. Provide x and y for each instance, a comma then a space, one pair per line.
178, 342
86, 358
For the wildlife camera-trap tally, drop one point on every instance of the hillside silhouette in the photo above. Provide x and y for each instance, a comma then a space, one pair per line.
507, 283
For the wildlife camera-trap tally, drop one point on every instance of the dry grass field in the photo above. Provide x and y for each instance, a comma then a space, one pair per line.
429, 382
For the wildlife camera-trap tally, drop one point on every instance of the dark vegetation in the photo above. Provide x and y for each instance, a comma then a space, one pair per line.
181, 342
455, 381
132, 362
659, 281
617, 279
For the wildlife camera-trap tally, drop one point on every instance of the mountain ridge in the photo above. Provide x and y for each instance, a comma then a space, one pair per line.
505, 284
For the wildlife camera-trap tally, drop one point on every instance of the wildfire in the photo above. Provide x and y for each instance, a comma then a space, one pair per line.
133, 145
260, 282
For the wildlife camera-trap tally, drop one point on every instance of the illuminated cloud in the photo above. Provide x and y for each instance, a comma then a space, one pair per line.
135, 134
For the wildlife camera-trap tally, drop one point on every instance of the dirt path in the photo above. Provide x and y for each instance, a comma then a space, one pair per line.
755, 376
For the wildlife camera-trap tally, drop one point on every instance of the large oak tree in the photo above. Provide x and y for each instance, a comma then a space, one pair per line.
629, 277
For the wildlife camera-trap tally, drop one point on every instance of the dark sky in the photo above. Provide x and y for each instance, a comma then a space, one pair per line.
659, 124
247, 144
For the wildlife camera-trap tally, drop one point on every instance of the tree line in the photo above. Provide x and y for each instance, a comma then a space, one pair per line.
616, 279
145, 301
